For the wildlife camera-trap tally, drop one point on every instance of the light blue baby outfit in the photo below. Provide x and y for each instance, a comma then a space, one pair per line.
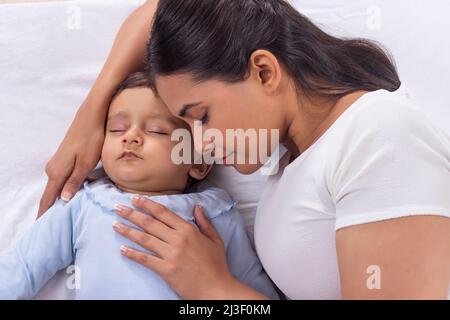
80, 232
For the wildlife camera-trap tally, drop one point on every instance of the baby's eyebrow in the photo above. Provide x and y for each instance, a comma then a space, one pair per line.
163, 120
120, 114
152, 117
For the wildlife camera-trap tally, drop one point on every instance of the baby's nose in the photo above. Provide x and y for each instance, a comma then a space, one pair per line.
132, 139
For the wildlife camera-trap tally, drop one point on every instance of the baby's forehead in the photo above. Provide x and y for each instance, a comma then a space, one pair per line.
141, 103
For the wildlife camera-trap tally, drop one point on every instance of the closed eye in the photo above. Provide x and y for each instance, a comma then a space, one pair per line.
205, 119
157, 132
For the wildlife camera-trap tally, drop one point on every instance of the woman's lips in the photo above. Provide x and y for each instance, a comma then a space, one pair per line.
228, 160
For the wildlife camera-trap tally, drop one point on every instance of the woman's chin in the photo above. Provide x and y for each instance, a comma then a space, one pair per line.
247, 168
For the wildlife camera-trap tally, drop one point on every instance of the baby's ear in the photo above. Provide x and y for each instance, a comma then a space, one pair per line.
200, 171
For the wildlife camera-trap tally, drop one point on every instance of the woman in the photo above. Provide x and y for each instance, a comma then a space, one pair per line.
359, 208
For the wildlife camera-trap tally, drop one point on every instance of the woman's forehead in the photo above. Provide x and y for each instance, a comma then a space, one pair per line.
179, 90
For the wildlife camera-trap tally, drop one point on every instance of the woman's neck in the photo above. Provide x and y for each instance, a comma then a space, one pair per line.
309, 119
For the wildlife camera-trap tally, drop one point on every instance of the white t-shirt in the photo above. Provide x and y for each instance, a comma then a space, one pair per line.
381, 159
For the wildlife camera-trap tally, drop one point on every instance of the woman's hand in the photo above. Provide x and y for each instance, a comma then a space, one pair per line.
191, 260
77, 155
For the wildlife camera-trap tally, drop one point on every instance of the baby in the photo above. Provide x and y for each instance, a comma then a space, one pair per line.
136, 157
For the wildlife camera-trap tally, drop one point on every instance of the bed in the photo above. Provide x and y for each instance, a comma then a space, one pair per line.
51, 52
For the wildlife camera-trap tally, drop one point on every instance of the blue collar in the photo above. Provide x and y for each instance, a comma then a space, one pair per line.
214, 201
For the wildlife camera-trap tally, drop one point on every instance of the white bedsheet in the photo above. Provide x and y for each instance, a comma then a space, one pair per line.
50, 54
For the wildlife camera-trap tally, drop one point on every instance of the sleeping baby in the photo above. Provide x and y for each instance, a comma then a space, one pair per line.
136, 157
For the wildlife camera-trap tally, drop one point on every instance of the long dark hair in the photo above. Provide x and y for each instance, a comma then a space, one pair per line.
214, 39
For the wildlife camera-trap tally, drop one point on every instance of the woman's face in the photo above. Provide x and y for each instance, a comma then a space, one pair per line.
227, 107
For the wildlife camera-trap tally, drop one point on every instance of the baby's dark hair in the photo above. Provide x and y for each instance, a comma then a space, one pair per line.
134, 80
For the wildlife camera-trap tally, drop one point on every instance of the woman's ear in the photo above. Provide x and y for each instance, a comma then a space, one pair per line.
200, 171
266, 68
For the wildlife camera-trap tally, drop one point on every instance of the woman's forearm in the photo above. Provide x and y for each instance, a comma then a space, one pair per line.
126, 56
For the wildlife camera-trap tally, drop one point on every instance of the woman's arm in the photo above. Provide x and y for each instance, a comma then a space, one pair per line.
80, 150
403, 258
191, 260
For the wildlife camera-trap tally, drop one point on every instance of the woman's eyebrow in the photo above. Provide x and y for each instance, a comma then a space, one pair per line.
187, 107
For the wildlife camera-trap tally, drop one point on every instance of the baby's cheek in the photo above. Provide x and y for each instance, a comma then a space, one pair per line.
163, 152
104, 152
107, 152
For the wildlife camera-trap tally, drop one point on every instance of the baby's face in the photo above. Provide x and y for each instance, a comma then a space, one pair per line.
137, 150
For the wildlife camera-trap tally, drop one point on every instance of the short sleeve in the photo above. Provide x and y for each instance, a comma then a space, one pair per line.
393, 163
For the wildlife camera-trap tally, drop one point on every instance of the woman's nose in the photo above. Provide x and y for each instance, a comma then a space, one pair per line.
204, 143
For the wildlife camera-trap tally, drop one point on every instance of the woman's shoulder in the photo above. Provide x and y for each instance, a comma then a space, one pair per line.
378, 124
390, 117
390, 161
386, 135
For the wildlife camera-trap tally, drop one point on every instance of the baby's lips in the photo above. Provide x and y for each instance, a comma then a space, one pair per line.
129, 154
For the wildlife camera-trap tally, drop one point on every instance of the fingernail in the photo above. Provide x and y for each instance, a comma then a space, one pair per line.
121, 209
65, 196
137, 199
117, 226
124, 250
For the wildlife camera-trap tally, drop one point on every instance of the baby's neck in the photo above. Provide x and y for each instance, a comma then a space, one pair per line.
147, 192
